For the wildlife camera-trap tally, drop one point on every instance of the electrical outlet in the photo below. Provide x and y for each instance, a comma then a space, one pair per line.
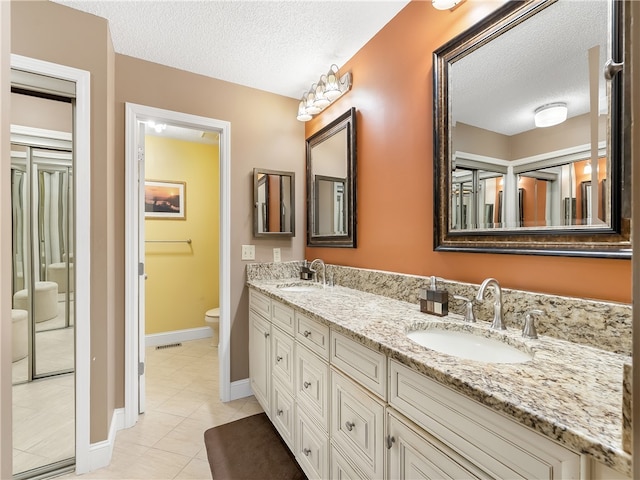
276, 255
248, 252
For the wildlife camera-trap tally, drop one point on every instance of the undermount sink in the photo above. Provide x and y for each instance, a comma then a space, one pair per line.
468, 345
312, 287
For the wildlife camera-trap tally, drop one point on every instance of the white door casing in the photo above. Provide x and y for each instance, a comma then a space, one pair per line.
134, 244
142, 274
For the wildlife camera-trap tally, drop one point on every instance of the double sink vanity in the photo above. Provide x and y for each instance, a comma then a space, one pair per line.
358, 386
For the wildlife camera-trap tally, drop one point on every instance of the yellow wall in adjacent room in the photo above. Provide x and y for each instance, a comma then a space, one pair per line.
183, 279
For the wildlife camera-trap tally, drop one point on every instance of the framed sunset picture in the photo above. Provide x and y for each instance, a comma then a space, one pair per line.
164, 200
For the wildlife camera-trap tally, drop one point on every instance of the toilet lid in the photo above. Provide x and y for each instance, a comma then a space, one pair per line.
214, 312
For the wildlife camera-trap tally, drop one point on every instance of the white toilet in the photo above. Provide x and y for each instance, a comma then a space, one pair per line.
212, 318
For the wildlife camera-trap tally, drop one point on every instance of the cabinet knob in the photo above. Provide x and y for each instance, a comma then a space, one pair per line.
349, 425
306, 451
279, 413
278, 359
266, 335
306, 384
390, 441
306, 333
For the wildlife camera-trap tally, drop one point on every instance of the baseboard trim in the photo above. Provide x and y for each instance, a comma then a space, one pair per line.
100, 453
240, 389
165, 338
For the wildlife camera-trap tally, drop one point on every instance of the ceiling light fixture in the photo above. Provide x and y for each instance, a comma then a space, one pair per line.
329, 88
158, 127
550, 114
445, 4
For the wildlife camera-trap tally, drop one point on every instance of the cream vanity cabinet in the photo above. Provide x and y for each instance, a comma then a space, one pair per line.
348, 412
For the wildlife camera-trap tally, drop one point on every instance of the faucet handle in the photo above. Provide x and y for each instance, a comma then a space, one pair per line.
469, 315
529, 329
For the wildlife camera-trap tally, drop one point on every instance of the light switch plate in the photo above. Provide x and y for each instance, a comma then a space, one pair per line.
248, 252
276, 255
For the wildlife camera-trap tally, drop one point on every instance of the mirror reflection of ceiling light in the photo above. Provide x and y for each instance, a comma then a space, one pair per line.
587, 169
158, 127
445, 4
550, 114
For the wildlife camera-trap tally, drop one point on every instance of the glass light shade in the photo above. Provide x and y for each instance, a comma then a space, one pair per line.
332, 84
321, 100
303, 116
550, 115
444, 4
587, 169
311, 98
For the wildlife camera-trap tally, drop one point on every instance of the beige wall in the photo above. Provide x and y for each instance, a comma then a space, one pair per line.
37, 112
54, 33
264, 133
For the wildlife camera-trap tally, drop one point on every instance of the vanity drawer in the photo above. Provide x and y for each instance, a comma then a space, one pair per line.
313, 335
341, 469
312, 447
364, 365
357, 425
282, 316
312, 385
282, 358
260, 303
282, 412
496, 444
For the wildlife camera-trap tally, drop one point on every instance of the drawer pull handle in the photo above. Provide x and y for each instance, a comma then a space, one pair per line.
280, 412
390, 441
349, 425
266, 335
306, 384
306, 333
278, 359
306, 451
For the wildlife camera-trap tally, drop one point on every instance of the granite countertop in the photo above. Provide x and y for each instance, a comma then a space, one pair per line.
569, 392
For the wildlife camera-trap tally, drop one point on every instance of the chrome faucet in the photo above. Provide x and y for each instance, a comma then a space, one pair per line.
498, 319
315, 271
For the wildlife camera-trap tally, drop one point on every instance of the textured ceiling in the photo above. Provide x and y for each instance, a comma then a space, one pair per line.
277, 46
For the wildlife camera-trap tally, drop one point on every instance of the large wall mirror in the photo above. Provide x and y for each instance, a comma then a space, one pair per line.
331, 184
529, 137
274, 203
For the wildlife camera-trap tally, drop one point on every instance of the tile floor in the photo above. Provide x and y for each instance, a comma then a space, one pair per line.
181, 403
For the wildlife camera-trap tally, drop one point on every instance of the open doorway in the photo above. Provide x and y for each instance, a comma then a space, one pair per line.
137, 116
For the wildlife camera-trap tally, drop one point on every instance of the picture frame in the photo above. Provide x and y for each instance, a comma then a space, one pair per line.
165, 200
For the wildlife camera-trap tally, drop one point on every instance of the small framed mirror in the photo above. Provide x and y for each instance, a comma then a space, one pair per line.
273, 203
331, 184
510, 176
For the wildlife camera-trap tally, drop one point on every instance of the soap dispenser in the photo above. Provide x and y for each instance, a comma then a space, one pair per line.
305, 271
434, 301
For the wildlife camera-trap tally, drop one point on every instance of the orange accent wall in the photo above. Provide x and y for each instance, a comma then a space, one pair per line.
393, 94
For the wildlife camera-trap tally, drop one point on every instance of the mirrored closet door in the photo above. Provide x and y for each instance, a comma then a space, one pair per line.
42, 206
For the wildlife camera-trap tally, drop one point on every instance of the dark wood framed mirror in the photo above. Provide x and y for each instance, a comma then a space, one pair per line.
492, 155
273, 203
331, 184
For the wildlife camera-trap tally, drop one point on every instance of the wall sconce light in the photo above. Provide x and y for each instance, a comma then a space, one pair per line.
445, 4
330, 87
550, 114
587, 168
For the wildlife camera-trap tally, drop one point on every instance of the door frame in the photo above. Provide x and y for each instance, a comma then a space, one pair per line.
134, 114
82, 183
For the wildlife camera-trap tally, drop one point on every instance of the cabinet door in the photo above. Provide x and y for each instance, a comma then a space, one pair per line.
312, 385
413, 456
341, 469
357, 425
282, 358
282, 412
260, 358
312, 447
